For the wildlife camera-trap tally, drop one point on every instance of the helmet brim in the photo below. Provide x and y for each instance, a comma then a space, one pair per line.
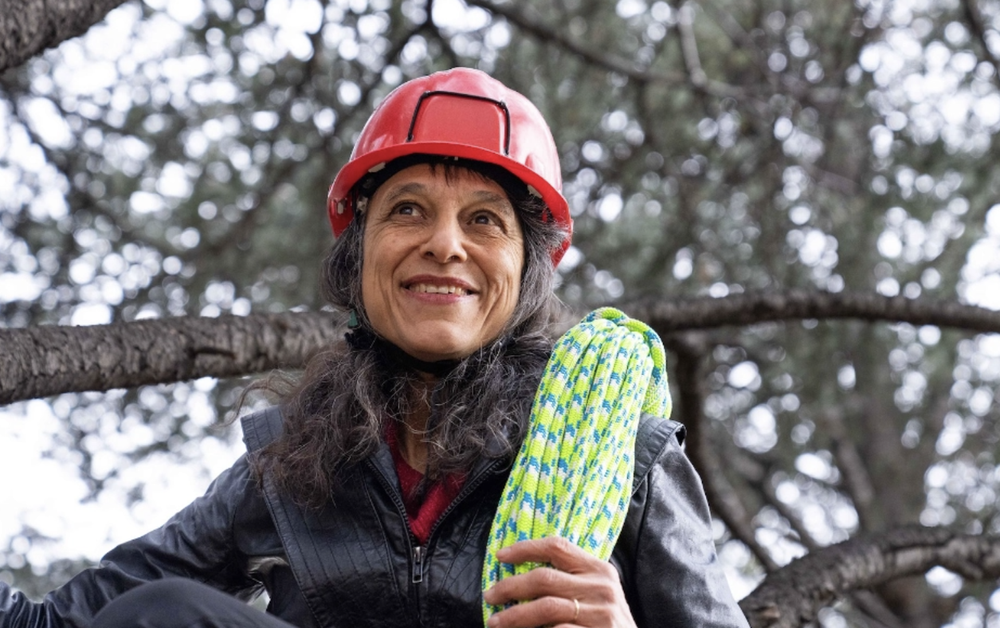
341, 211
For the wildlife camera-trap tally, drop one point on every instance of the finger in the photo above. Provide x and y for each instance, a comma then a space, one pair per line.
545, 611
553, 550
537, 583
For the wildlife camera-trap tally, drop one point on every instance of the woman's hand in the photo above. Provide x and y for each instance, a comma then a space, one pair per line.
577, 590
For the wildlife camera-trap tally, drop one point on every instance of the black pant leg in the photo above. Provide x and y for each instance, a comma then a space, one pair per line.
180, 603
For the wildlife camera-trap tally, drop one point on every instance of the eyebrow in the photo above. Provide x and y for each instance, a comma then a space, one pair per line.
482, 196
486, 196
403, 190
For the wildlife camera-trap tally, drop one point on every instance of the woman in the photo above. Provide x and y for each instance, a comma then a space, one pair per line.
366, 498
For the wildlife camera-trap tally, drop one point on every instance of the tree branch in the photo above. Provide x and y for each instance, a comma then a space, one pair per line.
975, 23
857, 481
725, 501
765, 487
791, 596
592, 57
738, 35
27, 27
689, 46
48, 360
752, 308
873, 607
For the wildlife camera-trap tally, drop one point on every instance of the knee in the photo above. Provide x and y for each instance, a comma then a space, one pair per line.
164, 603
168, 591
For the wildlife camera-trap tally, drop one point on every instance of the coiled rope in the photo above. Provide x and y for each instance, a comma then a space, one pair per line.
573, 475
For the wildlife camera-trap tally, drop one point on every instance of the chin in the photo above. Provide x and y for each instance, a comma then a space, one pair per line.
437, 340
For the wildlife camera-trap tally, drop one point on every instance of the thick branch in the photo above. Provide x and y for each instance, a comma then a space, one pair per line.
752, 308
791, 596
27, 27
48, 360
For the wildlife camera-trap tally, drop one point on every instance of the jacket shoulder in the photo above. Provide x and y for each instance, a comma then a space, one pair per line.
654, 436
262, 428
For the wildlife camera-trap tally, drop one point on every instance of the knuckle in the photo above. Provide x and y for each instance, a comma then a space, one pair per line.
549, 605
562, 544
562, 548
605, 616
547, 577
609, 571
606, 592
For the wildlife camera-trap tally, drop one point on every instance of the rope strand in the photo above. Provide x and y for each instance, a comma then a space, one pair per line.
573, 474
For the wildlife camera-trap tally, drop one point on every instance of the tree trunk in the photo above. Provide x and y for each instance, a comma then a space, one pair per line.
27, 27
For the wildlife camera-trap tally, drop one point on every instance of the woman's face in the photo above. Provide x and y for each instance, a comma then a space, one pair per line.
442, 263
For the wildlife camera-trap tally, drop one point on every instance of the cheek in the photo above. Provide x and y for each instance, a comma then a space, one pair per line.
511, 268
371, 286
367, 288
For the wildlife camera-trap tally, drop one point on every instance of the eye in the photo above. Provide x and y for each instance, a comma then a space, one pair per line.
485, 218
406, 209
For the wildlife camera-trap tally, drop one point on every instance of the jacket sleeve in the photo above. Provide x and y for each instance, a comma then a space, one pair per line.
196, 543
666, 552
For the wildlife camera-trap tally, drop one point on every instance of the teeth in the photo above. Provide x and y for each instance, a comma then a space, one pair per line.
423, 287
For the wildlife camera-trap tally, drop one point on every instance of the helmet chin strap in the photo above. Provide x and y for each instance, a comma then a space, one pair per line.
361, 338
438, 368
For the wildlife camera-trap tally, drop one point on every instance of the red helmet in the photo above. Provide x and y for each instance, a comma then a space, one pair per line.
458, 113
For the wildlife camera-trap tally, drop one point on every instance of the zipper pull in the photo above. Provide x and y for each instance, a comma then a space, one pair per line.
418, 564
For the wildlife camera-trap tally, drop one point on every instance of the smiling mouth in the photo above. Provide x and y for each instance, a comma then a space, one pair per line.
432, 289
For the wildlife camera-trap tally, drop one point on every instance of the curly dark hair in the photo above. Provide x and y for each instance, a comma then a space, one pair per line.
338, 411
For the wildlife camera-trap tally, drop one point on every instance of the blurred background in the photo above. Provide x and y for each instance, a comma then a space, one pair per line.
174, 161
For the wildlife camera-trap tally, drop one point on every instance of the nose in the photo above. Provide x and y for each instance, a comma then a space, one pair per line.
446, 241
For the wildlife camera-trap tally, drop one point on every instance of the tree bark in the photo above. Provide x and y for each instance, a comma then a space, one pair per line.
793, 595
48, 360
666, 315
27, 27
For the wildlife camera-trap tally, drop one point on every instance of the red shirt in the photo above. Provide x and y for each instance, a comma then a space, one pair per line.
423, 508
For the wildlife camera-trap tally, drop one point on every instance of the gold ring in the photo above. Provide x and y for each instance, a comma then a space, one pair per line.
576, 613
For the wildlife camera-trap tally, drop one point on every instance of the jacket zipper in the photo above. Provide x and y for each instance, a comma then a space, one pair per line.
418, 553
470, 486
418, 564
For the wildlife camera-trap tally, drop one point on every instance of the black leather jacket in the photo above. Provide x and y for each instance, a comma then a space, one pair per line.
355, 563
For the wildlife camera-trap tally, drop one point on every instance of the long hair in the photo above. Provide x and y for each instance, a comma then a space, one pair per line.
348, 395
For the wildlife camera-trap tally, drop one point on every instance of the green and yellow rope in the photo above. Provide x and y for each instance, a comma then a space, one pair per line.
573, 475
